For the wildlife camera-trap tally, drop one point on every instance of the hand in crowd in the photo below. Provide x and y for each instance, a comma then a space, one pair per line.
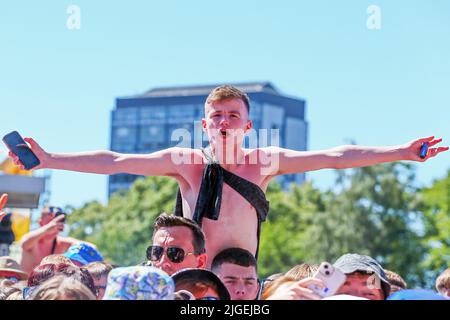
37, 150
55, 226
3, 200
297, 290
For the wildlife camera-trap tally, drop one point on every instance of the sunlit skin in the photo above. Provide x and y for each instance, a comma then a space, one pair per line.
178, 236
361, 285
241, 282
237, 223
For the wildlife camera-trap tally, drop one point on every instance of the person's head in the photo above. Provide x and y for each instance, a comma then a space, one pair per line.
178, 243
82, 253
443, 283
61, 287
48, 213
226, 115
10, 271
56, 259
202, 283
139, 283
365, 277
99, 271
397, 282
237, 268
302, 271
42, 273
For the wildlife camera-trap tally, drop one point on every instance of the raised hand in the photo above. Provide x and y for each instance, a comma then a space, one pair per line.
413, 149
37, 150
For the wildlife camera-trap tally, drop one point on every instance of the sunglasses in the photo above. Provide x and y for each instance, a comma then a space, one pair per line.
175, 254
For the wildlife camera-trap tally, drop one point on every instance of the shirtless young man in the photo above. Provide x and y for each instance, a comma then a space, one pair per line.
226, 122
45, 240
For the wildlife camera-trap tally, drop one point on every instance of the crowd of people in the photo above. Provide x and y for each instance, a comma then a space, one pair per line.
208, 248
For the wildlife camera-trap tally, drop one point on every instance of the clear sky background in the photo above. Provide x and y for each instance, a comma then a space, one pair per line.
377, 87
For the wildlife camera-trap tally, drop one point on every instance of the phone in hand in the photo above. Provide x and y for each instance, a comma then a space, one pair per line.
19, 147
332, 277
61, 213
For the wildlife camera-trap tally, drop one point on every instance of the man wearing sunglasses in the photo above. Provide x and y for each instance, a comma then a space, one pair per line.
45, 240
178, 243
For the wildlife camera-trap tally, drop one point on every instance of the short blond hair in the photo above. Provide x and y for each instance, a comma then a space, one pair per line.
227, 92
443, 281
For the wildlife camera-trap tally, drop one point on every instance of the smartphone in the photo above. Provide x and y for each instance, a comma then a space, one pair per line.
19, 147
332, 277
424, 150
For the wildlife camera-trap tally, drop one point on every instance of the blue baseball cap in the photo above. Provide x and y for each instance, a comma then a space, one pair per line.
416, 294
83, 253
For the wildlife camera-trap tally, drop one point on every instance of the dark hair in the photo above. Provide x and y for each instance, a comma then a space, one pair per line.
46, 271
238, 256
166, 220
226, 92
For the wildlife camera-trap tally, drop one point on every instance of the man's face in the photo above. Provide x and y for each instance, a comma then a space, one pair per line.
226, 121
362, 285
241, 282
180, 237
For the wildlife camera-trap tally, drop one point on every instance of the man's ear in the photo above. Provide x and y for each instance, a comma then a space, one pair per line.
201, 260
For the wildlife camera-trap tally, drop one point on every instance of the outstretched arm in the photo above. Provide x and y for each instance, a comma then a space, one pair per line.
107, 162
350, 156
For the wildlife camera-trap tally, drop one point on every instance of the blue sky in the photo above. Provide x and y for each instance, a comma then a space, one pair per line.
377, 87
